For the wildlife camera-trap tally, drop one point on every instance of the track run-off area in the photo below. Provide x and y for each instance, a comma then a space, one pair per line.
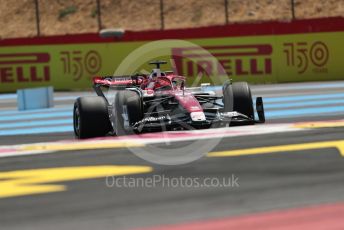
285, 174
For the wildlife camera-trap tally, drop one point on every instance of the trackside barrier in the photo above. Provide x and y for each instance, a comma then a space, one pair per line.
37, 98
269, 52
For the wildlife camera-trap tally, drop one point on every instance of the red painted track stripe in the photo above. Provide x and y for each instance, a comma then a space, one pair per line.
8, 150
322, 217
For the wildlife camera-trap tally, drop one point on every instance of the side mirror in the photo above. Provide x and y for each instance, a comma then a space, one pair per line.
182, 87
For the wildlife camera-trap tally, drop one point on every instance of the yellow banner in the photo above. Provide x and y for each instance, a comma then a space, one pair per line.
260, 59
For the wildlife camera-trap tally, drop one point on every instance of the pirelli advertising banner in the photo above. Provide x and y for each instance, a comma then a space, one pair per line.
271, 59
256, 59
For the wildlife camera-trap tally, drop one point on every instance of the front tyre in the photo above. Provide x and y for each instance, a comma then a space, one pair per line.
237, 97
90, 117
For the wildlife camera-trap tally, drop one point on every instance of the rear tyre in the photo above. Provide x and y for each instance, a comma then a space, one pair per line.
127, 110
237, 97
90, 117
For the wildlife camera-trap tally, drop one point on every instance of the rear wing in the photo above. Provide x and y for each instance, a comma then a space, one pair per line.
116, 82
108, 81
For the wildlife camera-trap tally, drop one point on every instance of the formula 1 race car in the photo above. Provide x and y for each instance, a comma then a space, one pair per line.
160, 101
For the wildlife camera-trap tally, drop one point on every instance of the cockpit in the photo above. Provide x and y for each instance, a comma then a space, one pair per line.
160, 81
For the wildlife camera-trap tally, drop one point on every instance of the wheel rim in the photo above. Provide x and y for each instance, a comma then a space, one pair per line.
77, 121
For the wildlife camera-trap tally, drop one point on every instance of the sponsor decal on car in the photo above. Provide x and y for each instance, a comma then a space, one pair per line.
229, 114
156, 119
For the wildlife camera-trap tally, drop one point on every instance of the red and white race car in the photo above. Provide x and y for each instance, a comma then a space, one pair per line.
160, 101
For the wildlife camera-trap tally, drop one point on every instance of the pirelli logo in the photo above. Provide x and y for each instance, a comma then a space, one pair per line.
238, 60
24, 67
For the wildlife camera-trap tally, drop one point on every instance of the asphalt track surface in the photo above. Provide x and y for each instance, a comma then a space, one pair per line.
266, 183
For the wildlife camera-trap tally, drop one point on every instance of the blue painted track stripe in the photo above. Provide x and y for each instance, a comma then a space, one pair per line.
303, 112
36, 123
297, 87
291, 87
56, 98
51, 129
304, 97
327, 103
36, 116
269, 115
68, 113
16, 112
8, 96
